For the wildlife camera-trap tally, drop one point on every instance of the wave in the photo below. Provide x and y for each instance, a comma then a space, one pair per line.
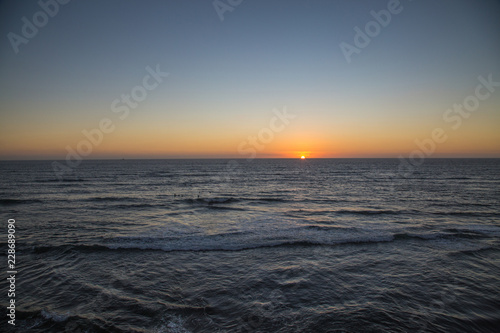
423, 236
487, 230
110, 199
467, 214
136, 205
308, 235
225, 208
140, 246
266, 233
159, 174
50, 321
460, 204
230, 200
131, 206
164, 245
369, 211
8, 202
270, 199
346, 211
56, 180
211, 201
67, 248
467, 232
474, 250
456, 178
323, 227
302, 212
123, 202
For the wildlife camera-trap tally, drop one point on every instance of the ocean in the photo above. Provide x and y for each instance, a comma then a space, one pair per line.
268, 245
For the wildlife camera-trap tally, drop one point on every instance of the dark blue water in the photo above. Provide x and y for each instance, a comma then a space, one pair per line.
333, 245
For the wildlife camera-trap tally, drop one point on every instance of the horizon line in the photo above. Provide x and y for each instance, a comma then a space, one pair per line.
249, 160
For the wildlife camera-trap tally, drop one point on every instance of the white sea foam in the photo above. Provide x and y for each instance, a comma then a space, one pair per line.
57, 317
174, 325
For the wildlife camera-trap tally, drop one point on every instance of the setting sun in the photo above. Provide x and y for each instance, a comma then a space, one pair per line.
302, 157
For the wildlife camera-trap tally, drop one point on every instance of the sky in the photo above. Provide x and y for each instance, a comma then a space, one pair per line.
250, 78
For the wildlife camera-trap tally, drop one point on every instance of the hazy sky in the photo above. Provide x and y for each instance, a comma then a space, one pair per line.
225, 78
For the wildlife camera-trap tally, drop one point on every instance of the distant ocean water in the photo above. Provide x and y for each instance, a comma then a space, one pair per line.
275, 245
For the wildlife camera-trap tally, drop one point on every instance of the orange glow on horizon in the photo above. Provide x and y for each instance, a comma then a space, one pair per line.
160, 141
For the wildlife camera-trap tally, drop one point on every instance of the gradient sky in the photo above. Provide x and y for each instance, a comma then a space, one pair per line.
226, 77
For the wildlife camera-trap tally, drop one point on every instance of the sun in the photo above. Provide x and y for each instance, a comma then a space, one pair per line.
302, 157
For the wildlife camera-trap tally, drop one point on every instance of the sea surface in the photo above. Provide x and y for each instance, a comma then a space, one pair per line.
268, 245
